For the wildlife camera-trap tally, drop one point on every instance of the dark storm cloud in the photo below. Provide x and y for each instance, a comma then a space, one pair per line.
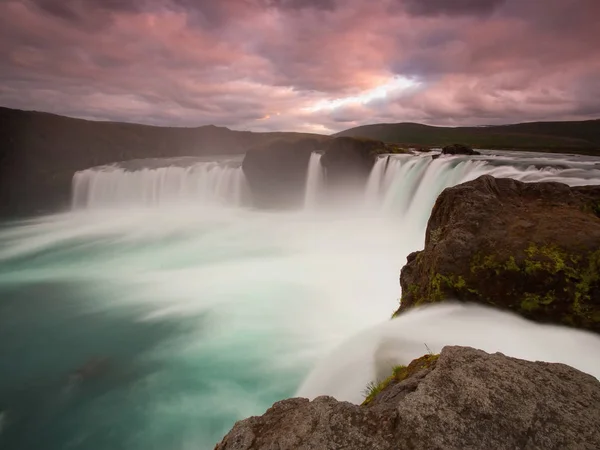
302, 64
450, 7
328, 5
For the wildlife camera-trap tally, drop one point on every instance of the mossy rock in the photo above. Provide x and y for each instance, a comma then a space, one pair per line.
532, 248
399, 374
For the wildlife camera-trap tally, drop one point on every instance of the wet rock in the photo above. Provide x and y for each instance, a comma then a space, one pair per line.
276, 171
459, 149
533, 248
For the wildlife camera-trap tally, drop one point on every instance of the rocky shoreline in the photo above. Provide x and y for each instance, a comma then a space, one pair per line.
531, 248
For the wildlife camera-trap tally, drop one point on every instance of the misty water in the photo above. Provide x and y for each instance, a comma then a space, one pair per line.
163, 307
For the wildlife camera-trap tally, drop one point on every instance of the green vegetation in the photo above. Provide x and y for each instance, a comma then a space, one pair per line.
577, 137
435, 235
399, 373
541, 282
575, 274
373, 388
533, 302
592, 207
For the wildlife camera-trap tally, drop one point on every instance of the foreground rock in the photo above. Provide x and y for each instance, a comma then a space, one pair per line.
533, 248
466, 399
459, 149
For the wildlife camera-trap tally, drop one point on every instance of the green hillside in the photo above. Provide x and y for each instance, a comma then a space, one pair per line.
579, 137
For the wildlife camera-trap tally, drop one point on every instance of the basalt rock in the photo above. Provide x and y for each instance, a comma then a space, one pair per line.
465, 399
533, 248
459, 149
276, 171
349, 160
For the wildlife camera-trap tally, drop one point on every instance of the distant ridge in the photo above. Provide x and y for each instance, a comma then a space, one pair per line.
579, 137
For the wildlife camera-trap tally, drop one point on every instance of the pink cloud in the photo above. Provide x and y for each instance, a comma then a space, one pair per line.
235, 62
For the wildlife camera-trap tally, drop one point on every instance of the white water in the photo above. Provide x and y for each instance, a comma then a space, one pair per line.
210, 313
371, 355
199, 182
315, 181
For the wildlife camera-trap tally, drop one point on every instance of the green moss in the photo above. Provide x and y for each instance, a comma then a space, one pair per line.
592, 207
587, 278
490, 262
511, 265
399, 373
549, 258
438, 288
374, 388
563, 270
435, 235
544, 281
533, 302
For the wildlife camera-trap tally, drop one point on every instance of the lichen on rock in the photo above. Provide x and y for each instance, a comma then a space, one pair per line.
533, 248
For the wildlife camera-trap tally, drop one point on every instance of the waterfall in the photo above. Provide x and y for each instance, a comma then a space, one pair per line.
370, 355
407, 185
315, 179
118, 186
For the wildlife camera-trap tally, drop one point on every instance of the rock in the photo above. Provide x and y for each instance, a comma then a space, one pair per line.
533, 248
465, 399
276, 171
459, 149
349, 160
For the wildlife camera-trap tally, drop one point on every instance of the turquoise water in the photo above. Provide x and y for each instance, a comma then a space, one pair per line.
159, 328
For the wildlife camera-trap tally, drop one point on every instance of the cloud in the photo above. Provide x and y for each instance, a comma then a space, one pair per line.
451, 8
267, 64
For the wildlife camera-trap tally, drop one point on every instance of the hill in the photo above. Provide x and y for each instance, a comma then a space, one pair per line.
578, 137
39, 152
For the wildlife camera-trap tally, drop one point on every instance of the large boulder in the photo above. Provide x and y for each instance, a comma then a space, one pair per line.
349, 160
465, 399
276, 171
459, 149
533, 248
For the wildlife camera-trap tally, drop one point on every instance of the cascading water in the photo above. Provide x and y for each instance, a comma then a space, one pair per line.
371, 355
145, 319
315, 181
407, 185
200, 182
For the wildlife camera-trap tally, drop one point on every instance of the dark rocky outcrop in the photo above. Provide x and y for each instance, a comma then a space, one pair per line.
459, 149
466, 399
276, 171
533, 248
349, 160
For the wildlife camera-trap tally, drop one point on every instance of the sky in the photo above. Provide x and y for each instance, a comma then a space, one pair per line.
302, 65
